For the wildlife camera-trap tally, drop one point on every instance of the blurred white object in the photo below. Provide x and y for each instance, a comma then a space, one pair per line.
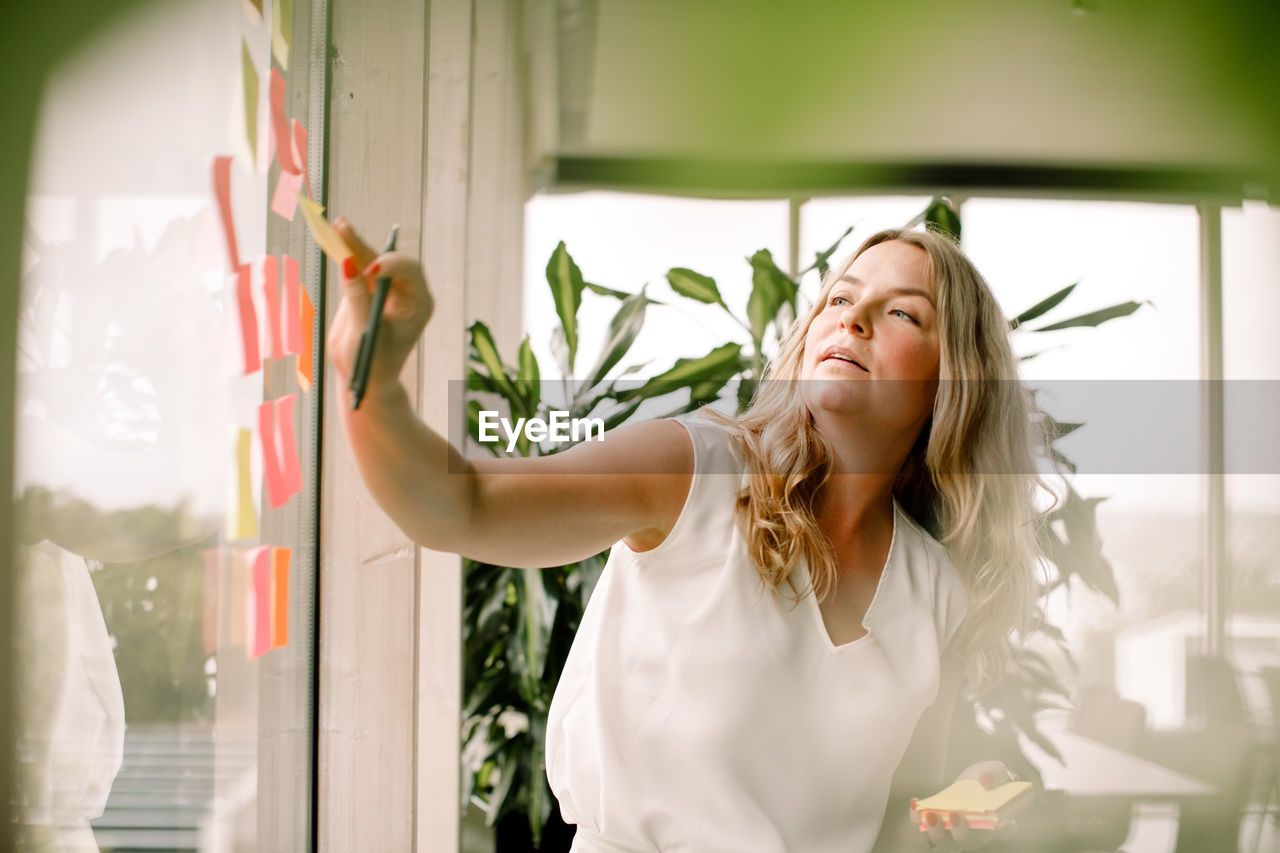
72, 735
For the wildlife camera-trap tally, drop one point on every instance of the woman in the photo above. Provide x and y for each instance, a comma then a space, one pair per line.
771, 657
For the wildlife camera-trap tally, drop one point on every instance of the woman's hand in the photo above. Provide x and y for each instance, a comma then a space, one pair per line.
961, 836
405, 315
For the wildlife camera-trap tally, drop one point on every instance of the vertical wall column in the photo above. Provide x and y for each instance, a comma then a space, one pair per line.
1217, 570
426, 128
368, 568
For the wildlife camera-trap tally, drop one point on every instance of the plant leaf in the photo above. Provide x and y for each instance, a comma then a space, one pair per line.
1096, 318
771, 288
604, 291
943, 216
528, 375
1042, 307
721, 361
487, 353
822, 260
566, 283
623, 328
694, 285
560, 349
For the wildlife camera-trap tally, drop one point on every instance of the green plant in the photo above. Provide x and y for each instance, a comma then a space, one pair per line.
519, 623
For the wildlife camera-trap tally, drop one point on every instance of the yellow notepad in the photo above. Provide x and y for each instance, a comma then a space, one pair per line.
982, 808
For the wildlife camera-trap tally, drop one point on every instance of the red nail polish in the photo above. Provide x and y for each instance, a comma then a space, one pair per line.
373, 269
931, 818
349, 267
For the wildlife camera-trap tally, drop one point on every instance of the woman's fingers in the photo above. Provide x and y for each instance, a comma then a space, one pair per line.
355, 290
363, 252
933, 825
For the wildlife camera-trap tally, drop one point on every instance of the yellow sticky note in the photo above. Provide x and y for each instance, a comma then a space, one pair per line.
242, 521
328, 240
250, 74
282, 30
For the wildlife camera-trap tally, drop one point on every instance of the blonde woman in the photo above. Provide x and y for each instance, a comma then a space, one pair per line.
795, 596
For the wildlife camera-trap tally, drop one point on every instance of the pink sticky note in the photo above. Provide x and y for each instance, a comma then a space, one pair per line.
279, 597
292, 306
248, 319
285, 200
290, 471
300, 152
276, 493
280, 126
271, 299
222, 191
258, 603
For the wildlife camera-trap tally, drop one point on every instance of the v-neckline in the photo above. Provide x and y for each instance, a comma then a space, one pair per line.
816, 610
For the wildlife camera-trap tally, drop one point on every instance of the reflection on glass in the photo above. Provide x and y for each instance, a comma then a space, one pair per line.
139, 709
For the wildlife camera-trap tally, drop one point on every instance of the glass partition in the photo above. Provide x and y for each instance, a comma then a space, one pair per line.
165, 479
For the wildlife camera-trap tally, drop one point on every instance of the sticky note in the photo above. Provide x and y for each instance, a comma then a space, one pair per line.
300, 152
209, 594
326, 238
242, 521
281, 30
290, 470
270, 456
237, 595
250, 76
285, 199
258, 603
292, 306
248, 319
307, 327
222, 192
279, 125
279, 597
271, 301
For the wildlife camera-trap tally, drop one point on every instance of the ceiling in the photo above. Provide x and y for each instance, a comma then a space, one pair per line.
748, 95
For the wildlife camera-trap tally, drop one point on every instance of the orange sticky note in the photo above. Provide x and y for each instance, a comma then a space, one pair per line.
279, 125
285, 200
248, 319
250, 75
258, 602
222, 192
209, 598
290, 471
271, 299
279, 597
292, 306
242, 521
307, 323
271, 472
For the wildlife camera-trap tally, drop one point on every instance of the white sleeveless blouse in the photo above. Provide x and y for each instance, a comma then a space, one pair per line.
698, 713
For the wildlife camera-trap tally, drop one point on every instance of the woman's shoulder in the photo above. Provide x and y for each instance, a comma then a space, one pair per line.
715, 450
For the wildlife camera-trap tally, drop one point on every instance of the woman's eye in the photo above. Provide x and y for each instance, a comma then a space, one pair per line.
903, 313
837, 300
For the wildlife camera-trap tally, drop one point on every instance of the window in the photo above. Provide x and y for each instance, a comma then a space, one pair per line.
166, 638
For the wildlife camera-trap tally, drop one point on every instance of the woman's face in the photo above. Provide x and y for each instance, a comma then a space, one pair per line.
878, 321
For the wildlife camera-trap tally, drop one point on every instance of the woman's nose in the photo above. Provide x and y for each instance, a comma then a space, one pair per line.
850, 321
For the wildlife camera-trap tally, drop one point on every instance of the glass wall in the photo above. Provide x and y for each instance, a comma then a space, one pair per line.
165, 474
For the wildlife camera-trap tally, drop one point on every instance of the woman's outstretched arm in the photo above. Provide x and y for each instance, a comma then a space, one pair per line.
517, 512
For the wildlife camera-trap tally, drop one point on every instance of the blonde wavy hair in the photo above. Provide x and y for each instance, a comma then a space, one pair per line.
970, 479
